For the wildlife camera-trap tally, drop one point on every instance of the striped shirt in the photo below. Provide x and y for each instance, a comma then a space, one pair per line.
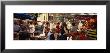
92, 34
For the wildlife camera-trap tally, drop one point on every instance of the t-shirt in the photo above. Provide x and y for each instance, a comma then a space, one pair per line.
92, 34
80, 25
51, 25
16, 28
69, 26
32, 28
57, 29
74, 28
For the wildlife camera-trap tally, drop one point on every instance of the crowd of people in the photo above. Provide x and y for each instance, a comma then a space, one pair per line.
33, 30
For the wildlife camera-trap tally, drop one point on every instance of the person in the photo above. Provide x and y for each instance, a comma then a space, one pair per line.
23, 35
37, 28
51, 34
80, 25
51, 25
22, 25
58, 28
91, 33
36, 24
46, 28
16, 27
16, 36
42, 27
93, 23
69, 26
82, 35
64, 31
73, 31
74, 28
31, 29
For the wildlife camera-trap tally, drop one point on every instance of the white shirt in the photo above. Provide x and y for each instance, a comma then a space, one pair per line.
80, 25
51, 25
32, 28
69, 25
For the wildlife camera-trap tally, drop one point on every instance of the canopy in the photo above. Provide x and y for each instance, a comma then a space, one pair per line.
23, 16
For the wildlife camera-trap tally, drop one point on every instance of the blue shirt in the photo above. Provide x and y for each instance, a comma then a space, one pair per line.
49, 33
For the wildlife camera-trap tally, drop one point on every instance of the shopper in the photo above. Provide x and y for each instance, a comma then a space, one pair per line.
23, 35
73, 31
31, 29
46, 28
16, 27
64, 31
51, 34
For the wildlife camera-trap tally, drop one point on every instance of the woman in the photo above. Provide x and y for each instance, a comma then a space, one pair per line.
31, 29
46, 28
58, 28
80, 25
64, 31
73, 31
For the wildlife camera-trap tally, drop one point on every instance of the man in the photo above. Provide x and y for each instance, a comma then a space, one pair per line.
16, 27
23, 35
